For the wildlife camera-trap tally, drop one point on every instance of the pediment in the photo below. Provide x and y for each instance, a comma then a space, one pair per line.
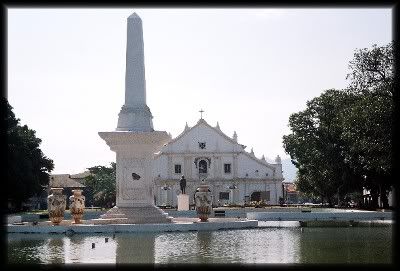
203, 138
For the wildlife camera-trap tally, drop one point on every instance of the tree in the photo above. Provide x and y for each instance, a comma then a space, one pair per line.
316, 147
372, 70
102, 181
367, 125
28, 168
343, 139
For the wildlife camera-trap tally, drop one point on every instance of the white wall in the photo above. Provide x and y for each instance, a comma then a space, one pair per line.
249, 166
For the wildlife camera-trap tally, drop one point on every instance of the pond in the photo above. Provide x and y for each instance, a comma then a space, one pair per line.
262, 245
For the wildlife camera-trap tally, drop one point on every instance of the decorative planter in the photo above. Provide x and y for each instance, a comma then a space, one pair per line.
203, 200
77, 205
56, 203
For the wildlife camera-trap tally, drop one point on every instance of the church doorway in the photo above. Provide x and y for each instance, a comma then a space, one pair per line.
202, 166
255, 196
261, 195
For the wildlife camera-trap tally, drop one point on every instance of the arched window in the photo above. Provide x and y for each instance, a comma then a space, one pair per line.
202, 166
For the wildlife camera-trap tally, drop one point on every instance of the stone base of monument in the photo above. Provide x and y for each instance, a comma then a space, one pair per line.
134, 215
183, 202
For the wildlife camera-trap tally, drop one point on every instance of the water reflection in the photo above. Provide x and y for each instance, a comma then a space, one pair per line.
55, 250
205, 247
175, 247
267, 245
75, 249
352, 245
135, 248
25, 250
234, 246
261, 246
36, 248
79, 249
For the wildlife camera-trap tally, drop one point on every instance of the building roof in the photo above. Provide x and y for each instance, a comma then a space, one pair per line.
290, 187
202, 121
80, 175
64, 181
217, 129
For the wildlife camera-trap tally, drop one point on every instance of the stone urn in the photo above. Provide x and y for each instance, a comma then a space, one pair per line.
77, 205
56, 203
203, 200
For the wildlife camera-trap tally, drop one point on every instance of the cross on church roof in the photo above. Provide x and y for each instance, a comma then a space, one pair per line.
201, 113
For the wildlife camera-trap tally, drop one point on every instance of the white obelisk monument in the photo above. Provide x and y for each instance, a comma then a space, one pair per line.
135, 142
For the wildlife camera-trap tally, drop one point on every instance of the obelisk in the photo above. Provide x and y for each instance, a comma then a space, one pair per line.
135, 115
135, 142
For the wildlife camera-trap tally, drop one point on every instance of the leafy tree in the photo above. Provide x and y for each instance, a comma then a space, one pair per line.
102, 181
343, 140
28, 168
372, 70
316, 148
367, 125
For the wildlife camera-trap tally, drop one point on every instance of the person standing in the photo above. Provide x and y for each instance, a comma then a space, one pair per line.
182, 183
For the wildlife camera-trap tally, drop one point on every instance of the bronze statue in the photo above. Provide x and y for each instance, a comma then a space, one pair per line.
183, 184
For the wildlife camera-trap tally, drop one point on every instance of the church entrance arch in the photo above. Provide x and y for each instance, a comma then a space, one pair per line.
260, 196
255, 196
202, 166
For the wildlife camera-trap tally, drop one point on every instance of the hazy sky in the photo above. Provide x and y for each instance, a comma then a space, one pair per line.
249, 69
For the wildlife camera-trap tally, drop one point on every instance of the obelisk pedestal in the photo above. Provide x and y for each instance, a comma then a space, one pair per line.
183, 202
134, 177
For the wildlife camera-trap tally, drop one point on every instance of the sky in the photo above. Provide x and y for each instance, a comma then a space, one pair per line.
248, 69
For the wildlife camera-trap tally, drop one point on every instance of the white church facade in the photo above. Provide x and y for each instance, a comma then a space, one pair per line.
204, 152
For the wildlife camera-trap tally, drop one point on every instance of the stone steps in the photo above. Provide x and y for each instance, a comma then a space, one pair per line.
135, 215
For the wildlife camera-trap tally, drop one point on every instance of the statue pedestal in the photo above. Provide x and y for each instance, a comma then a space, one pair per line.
183, 202
134, 176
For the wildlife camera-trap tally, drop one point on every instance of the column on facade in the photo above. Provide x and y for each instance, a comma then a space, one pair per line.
187, 167
235, 166
231, 196
190, 167
213, 188
172, 194
240, 194
169, 166
215, 166
177, 190
164, 197
236, 195
158, 195
220, 169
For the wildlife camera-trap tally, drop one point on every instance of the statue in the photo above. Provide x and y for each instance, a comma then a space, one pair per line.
183, 184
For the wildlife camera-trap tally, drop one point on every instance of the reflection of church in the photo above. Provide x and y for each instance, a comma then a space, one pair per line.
205, 152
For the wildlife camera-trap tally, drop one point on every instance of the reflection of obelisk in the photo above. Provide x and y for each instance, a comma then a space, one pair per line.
135, 142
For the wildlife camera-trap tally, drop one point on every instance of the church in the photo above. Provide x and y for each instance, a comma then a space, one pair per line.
204, 152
